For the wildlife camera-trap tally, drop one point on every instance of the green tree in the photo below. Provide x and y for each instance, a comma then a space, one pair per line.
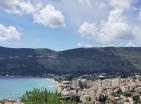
2, 102
42, 96
103, 98
136, 99
127, 94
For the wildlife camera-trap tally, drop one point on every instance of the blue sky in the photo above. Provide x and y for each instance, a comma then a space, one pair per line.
66, 24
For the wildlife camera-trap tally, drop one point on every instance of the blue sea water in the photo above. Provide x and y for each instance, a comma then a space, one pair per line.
14, 88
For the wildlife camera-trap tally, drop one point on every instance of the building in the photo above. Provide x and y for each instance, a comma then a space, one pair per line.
115, 82
107, 83
13, 102
76, 83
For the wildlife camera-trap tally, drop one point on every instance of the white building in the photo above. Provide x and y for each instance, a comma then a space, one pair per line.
107, 83
116, 82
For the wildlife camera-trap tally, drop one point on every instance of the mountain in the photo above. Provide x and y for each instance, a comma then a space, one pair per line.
24, 61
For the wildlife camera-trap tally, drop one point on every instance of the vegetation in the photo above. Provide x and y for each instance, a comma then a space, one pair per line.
136, 99
75, 61
2, 102
38, 96
117, 93
103, 98
127, 94
85, 101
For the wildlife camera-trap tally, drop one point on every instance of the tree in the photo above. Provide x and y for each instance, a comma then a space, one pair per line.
42, 96
103, 98
127, 94
136, 99
2, 102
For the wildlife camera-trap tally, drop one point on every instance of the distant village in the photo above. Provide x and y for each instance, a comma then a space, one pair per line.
102, 90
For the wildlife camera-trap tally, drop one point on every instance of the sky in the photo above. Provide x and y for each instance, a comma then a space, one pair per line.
67, 24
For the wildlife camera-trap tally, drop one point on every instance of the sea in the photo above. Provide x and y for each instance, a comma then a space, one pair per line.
13, 88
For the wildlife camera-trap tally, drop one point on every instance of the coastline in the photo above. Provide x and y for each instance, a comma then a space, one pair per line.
54, 85
30, 77
56, 82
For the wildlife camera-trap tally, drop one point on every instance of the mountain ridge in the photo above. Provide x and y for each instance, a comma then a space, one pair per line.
42, 61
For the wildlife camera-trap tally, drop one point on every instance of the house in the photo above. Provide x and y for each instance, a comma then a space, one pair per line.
12, 102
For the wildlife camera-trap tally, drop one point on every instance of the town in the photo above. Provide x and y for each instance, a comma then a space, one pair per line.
102, 90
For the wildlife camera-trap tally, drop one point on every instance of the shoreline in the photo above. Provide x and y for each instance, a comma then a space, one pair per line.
30, 77
55, 83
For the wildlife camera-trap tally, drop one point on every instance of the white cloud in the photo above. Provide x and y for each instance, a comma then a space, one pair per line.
85, 2
9, 6
102, 5
49, 16
84, 45
136, 31
120, 4
26, 7
43, 14
8, 33
130, 44
88, 29
140, 14
116, 27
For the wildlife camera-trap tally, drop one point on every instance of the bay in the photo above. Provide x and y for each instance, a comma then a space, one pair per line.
13, 88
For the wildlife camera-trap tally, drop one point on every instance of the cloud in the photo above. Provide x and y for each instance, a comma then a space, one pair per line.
9, 6
85, 2
84, 45
120, 4
49, 16
136, 31
26, 7
102, 5
46, 15
120, 23
87, 29
130, 44
8, 33
116, 27
140, 14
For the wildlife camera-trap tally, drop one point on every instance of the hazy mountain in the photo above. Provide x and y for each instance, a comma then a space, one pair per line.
24, 61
